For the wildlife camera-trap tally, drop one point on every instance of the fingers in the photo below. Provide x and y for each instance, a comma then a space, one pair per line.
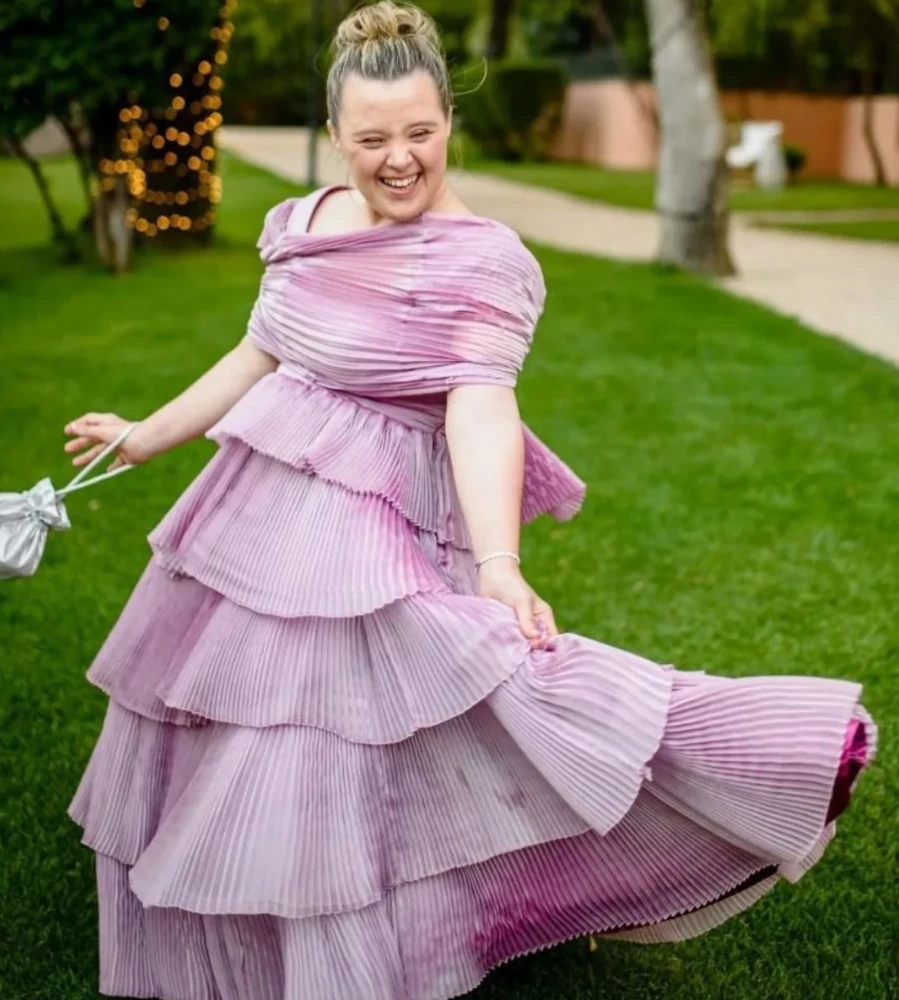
544, 614
95, 431
524, 611
84, 424
89, 455
76, 444
92, 423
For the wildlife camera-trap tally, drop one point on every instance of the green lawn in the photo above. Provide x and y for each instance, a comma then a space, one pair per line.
634, 189
741, 518
883, 230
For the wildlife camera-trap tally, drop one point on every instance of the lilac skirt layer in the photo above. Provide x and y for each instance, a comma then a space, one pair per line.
329, 771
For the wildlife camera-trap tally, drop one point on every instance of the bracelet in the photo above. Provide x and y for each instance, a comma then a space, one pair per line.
497, 555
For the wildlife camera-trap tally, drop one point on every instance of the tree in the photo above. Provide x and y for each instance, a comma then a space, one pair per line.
501, 12
692, 181
86, 63
847, 46
24, 106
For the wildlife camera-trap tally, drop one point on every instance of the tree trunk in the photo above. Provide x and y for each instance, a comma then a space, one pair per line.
500, 19
606, 31
57, 227
82, 158
692, 183
880, 174
112, 232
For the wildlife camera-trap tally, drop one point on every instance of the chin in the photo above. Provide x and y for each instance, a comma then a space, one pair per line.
400, 205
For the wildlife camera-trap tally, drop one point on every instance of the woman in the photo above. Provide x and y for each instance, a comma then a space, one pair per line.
348, 755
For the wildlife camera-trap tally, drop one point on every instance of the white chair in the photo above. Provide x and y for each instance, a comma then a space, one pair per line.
760, 147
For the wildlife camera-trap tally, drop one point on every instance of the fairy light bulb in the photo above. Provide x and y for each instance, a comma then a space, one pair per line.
157, 176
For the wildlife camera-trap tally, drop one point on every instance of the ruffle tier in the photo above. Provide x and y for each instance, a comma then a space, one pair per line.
202, 841
287, 544
404, 461
297, 821
329, 770
428, 940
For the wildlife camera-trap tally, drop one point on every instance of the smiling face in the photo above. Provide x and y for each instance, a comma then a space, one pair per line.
394, 135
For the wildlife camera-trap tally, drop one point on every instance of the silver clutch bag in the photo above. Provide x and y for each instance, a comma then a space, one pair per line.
26, 518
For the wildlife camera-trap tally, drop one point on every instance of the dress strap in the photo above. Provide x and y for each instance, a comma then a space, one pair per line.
304, 210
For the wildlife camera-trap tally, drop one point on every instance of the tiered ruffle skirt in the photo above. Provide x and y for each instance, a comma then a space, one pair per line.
329, 771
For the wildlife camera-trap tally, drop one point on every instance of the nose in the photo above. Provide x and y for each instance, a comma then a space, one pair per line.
399, 156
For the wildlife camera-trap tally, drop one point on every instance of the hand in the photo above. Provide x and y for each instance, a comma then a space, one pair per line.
501, 579
95, 430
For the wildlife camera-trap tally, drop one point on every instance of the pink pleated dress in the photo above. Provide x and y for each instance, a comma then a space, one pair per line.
328, 769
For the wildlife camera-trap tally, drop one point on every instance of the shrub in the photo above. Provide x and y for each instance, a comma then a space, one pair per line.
796, 159
517, 110
270, 61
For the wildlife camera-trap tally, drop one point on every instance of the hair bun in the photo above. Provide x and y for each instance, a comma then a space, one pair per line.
386, 21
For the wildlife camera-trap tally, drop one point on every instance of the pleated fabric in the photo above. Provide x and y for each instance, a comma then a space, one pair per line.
328, 769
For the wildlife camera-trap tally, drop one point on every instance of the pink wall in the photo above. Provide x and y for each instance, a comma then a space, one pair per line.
604, 122
856, 164
817, 124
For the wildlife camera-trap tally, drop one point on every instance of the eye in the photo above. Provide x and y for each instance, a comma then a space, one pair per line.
420, 136
372, 142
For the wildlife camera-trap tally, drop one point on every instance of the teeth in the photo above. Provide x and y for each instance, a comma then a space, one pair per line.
400, 184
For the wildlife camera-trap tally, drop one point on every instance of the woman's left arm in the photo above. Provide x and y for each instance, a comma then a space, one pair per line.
486, 445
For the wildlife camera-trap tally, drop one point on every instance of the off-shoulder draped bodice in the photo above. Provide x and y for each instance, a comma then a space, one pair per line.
374, 328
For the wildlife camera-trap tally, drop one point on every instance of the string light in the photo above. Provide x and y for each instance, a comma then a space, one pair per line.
142, 135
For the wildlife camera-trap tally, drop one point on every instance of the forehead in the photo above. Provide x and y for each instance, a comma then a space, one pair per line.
389, 104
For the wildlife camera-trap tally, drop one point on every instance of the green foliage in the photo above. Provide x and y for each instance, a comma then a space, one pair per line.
96, 56
516, 112
841, 46
796, 158
559, 27
269, 64
271, 60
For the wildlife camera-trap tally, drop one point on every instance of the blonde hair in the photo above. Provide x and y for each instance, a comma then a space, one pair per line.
385, 41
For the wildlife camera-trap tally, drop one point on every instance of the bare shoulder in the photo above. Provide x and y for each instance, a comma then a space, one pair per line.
336, 211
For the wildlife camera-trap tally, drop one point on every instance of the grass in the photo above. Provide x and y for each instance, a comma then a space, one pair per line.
635, 189
741, 519
881, 230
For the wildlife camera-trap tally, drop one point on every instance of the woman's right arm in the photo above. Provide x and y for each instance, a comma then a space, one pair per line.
187, 416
